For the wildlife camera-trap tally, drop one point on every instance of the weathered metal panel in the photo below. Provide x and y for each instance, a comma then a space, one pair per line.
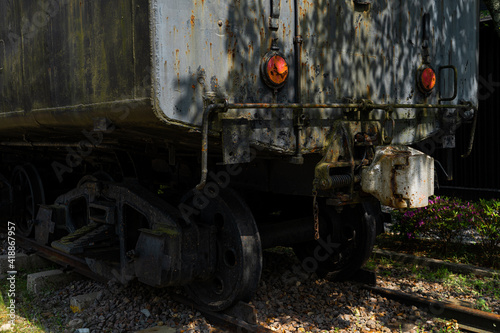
65, 55
373, 52
67, 52
349, 51
216, 46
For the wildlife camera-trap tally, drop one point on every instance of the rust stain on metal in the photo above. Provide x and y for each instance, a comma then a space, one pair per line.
192, 21
302, 11
356, 30
365, 55
177, 66
250, 48
229, 32
231, 54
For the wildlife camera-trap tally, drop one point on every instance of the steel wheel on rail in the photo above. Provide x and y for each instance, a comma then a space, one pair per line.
27, 195
346, 242
238, 250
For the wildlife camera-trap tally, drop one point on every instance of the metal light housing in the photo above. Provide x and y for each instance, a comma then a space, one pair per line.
274, 70
426, 79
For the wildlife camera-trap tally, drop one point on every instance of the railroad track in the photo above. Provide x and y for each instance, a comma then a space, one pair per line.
243, 316
468, 319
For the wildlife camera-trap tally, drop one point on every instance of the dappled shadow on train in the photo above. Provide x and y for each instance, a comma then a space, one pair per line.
349, 52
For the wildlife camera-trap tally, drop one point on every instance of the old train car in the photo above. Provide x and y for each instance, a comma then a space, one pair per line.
171, 141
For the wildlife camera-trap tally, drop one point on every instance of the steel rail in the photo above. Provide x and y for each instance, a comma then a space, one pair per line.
471, 319
234, 323
237, 322
364, 105
66, 260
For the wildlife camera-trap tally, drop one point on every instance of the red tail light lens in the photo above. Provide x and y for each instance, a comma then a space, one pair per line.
428, 79
277, 69
274, 70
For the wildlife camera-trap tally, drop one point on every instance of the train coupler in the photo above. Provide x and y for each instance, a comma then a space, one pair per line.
400, 177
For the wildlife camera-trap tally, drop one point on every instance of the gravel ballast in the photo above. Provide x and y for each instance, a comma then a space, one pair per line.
288, 300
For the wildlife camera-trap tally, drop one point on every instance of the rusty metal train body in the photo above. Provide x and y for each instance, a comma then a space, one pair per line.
171, 141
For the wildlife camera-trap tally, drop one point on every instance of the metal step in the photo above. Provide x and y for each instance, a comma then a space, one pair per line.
90, 236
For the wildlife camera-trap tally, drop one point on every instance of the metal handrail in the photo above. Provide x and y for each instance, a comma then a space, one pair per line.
364, 105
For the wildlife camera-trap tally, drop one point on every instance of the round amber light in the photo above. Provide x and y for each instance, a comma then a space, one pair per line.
277, 69
428, 79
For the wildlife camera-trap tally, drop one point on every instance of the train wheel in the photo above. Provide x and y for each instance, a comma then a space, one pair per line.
238, 250
27, 195
347, 240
